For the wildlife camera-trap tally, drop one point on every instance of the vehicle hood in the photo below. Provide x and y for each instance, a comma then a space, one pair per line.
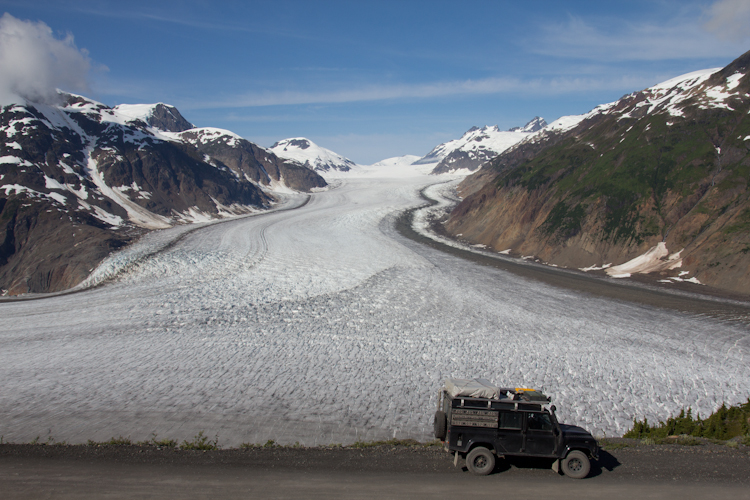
575, 431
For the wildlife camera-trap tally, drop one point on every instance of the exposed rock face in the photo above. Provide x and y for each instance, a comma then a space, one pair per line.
669, 164
167, 118
251, 161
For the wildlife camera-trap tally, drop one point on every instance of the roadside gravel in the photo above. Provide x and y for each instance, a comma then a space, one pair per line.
620, 460
626, 469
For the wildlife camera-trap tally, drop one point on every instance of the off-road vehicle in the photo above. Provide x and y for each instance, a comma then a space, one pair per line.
479, 422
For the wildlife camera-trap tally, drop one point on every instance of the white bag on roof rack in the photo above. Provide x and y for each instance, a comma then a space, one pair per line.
471, 388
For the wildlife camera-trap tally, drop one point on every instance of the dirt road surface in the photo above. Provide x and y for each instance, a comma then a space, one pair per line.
635, 471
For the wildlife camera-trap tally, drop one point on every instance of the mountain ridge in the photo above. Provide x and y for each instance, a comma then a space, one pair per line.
79, 179
660, 172
477, 146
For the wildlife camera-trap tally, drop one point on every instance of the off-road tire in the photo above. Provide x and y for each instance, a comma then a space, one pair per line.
480, 461
576, 465
440, 425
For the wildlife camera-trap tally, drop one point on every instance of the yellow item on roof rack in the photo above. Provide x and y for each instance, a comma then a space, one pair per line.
522, 389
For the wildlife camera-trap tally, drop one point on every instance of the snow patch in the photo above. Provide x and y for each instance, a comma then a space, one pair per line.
594, 268
18, 161
136, 213
656, 259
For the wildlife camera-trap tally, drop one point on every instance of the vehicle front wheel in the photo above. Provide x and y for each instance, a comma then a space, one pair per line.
480, 461
576, 465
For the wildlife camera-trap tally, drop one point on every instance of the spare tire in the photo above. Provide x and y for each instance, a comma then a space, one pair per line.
440, 425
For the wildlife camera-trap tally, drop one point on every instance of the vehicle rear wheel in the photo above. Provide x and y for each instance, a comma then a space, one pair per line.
440, 425
480, 461
576, 465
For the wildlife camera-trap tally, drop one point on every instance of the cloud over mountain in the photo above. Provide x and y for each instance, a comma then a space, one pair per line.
34, 63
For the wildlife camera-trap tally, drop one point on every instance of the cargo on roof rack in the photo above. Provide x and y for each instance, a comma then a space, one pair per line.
482, 388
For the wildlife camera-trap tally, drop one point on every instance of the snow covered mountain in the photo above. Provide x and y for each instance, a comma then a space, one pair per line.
654, 182
160, 115
537, 123
225, 149
79, 179
307, 153
397, 161
477, 146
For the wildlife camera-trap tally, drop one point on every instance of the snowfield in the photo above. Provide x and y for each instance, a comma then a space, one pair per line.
324, 325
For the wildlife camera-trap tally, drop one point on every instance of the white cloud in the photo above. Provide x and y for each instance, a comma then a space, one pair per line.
611, 40
730, 20
486, 86
33, 63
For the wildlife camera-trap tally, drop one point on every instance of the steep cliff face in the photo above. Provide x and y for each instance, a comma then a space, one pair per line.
662, 169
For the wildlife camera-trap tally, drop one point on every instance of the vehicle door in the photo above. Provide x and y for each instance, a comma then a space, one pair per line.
541, 438
509, 432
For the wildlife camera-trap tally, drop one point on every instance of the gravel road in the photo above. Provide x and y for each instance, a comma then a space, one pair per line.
635, 471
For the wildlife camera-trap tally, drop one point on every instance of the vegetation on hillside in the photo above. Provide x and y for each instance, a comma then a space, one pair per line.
633, 170
725, 423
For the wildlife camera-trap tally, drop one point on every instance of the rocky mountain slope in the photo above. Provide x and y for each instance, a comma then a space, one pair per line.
477, 146
250, 161
310, 155
660, 176
79, 179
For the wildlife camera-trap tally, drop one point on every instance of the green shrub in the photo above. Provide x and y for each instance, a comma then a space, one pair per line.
119, 441
200, 442
725, 423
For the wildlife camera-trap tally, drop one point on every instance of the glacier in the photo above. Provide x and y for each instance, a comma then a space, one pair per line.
319, 323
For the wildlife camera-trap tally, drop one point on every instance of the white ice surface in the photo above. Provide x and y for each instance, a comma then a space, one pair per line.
324, 325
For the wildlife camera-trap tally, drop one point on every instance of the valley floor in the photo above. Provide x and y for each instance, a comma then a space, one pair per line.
324, 325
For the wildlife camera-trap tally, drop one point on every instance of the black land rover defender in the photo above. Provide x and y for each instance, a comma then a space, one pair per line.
478, 421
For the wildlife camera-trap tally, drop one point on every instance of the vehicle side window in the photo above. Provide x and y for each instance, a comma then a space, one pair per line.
539, 421
511, 420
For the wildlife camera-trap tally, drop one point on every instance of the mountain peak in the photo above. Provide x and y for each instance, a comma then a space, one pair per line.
305, 152
162, 116
535, 124
296, 142
476, 146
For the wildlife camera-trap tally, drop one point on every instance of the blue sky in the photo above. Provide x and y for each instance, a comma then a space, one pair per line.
371, 80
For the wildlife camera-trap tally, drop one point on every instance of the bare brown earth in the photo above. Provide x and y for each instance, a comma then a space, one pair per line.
626, 469
512, 218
